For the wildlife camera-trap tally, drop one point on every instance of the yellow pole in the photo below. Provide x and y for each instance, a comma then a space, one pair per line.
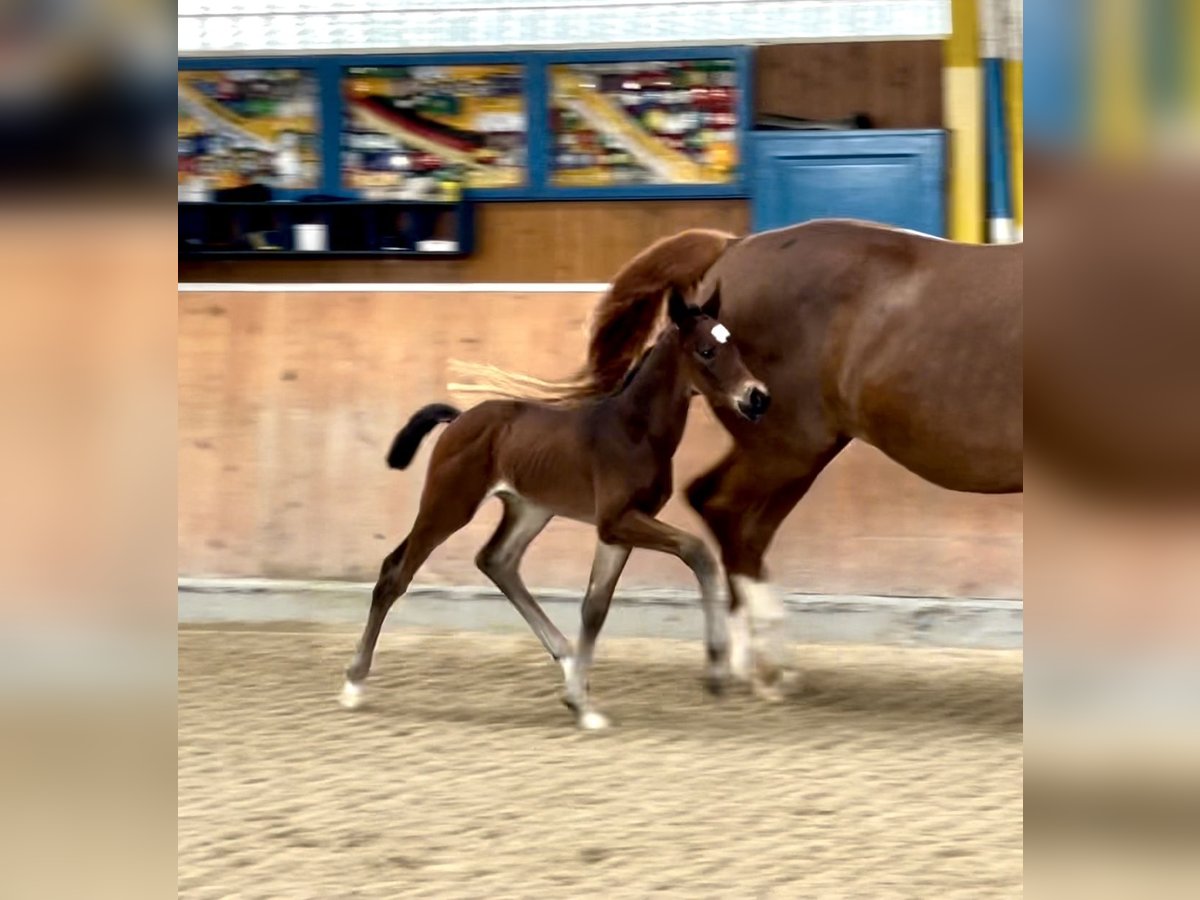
1190, 11
1119, 109
962, 81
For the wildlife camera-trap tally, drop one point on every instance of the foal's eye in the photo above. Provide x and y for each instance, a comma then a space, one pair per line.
707, 352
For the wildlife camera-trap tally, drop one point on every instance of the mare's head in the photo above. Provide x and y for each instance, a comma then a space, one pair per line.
712, 361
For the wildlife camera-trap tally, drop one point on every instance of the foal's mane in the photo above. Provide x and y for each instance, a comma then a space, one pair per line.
623, 322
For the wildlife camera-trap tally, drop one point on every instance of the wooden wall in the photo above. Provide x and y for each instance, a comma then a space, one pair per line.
897, 83
516, 242
287, 404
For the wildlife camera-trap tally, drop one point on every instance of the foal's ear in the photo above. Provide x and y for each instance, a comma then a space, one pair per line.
712, 308
680, 311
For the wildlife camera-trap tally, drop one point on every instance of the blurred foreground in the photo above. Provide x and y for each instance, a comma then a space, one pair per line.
891, 773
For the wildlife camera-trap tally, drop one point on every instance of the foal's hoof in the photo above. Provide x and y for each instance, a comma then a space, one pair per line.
593, 721
716, 680
352, 695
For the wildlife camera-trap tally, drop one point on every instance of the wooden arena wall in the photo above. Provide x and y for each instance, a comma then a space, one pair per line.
288, 401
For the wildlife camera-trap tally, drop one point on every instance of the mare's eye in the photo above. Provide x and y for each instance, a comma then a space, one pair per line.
707, 352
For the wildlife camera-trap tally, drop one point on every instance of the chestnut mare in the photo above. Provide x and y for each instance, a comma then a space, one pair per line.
605, 461
908, 342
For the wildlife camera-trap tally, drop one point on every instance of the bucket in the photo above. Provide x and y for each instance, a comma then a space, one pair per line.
311, 237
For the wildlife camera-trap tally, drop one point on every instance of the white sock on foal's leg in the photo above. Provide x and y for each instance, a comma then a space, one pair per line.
352, 695
575, 676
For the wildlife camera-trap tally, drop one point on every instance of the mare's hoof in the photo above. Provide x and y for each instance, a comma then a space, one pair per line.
352, 695
768, 692
772, 685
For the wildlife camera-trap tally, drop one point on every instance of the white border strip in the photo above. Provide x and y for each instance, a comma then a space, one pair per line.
395, 287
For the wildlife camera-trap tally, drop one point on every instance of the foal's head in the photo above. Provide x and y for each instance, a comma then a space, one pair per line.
713, 363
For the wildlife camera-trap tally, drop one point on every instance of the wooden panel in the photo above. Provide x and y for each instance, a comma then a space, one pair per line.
516, 242
288, 402
897, 83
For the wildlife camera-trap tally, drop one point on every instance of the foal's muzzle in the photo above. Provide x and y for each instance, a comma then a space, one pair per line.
754, 403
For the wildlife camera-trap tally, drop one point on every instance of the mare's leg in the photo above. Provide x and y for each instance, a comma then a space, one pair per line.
448, 503
607, 566
743, 501
636, 529
500, 558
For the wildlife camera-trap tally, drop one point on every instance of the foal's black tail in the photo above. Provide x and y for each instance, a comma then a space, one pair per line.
424, 420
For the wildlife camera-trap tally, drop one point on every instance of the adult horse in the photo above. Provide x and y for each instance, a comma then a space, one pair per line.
908, 342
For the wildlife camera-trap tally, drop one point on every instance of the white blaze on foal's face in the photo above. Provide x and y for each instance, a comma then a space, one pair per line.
720, 333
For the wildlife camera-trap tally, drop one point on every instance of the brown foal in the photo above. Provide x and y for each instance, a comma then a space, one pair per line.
605, 461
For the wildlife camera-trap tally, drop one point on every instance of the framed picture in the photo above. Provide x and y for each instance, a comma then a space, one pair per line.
428, 131
639, 122
244, 126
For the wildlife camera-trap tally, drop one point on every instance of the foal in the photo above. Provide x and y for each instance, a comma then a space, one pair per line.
606, 462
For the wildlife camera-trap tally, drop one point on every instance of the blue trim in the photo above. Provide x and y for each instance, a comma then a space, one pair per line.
643, 54
999, 188
331, 138
233, 63
539, 141
745, 113
1056, 54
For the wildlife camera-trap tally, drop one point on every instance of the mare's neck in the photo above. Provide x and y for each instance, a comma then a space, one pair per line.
659, 392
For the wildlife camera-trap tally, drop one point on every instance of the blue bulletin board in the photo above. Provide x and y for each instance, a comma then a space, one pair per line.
601, 124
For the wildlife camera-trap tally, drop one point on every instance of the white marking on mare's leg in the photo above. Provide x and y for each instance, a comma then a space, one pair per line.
352, 695
766, 618
739, 644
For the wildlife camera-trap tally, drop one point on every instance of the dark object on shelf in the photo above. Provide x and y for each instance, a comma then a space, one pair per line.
250, 193
352, 228
856, 122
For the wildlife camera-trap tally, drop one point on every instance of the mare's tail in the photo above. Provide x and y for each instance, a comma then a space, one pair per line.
424, 420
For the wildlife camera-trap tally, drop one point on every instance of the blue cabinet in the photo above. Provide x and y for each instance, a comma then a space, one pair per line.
893, 177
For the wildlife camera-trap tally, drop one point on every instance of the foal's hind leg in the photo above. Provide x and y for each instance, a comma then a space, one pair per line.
500, 558
447, 504
607, 566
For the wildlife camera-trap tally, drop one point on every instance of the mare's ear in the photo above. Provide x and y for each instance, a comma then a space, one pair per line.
712, 308
680, 311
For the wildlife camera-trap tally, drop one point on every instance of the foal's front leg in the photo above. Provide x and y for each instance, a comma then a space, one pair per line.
636, 529
607, 566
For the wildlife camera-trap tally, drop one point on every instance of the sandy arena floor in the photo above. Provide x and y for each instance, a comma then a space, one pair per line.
891, 773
